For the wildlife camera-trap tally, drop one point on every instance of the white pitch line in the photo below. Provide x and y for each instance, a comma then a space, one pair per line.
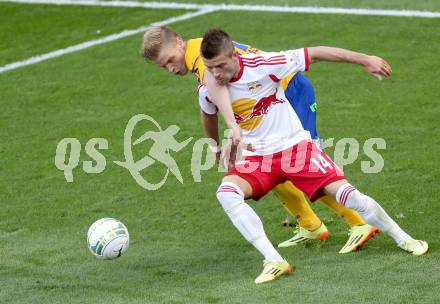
106, 39
202, 9
153, 5
331, 10
234, 7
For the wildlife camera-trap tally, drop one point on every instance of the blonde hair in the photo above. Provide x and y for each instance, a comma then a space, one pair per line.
155, 39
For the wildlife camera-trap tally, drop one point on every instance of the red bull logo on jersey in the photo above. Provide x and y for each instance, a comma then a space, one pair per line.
254, 87
249, 113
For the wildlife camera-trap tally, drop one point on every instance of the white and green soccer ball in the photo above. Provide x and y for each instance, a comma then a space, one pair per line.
108, 238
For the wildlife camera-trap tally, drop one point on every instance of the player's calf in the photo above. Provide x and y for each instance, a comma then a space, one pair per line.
375, 215
244, 218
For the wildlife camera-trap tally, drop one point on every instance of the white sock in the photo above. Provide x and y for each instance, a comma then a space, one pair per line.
246, 220
371, 212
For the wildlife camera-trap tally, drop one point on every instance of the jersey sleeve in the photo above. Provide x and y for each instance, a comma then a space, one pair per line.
193, 61
282, 64
205, 103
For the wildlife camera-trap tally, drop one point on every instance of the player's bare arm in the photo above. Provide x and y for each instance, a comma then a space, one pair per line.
220, 97
374, 65
210, 127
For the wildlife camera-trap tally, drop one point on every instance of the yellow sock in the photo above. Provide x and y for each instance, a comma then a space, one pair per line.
297, 205
351, 217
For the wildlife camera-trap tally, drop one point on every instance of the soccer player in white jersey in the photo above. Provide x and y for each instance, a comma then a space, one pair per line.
167, 49
280, 151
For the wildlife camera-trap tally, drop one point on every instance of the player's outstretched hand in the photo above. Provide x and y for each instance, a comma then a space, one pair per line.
236, 136
233, 151
377, 67
237, 141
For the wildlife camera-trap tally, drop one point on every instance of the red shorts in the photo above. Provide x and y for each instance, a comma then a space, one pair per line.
304, 164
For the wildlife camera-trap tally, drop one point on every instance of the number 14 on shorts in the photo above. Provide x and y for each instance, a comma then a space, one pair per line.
322, 164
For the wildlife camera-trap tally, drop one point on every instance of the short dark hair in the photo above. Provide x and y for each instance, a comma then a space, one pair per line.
216, 42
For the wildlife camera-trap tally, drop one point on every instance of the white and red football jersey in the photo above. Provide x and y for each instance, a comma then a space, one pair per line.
261, 109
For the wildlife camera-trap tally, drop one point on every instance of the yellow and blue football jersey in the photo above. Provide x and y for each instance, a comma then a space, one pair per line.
194, 62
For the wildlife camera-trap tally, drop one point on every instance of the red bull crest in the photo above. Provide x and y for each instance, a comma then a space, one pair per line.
249, 113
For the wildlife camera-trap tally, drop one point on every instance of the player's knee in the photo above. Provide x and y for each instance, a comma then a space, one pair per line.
240, 183
230, 196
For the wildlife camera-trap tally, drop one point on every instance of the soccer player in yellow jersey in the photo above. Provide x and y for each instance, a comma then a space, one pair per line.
167, 49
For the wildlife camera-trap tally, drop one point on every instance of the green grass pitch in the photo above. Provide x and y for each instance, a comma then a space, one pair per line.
183, 248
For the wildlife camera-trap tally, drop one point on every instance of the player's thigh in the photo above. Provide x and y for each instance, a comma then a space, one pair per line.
241, 183
314, 170
287, 191
332, 188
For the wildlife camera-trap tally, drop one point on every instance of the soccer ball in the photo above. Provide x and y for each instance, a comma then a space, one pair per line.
107, 238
